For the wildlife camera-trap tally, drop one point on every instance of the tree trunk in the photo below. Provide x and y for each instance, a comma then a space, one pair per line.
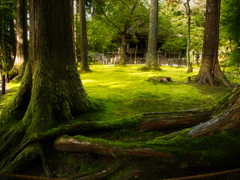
12, 42
123, 50
22, 43
51, 88
76, 29
72, 17
84, 67
3, 40
210, 72
124, 32
188, 10
151, 61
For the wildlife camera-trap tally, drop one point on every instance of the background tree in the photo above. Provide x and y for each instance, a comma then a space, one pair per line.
120, 21
84, 66
21, 32
151, 61
51, 89
210, 72
7, 44
230, 31
77, 30
188, 11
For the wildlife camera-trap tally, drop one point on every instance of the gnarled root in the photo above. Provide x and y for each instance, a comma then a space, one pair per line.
81, 144
206, 79
26, 157
177, 122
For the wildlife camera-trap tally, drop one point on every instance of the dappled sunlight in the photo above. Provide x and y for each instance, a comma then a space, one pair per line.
88, 81
129, 91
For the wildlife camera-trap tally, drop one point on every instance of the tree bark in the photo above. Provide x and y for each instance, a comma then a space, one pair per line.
12, 42
77, 36
210, 72
123, 50
84, 67
22, 43
151, 61
3, 40
51, 89
188, 10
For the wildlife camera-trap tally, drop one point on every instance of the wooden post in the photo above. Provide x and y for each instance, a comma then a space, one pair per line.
3, 84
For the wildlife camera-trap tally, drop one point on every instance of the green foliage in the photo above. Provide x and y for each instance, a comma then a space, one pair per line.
100, 34
173, 23
230, 18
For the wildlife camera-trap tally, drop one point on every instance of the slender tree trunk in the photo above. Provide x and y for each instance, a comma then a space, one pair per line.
188, 10
151, 61
72, 17
22, 43
12, 42
123, 50
210, 72
3, 41
76, 29
84, 67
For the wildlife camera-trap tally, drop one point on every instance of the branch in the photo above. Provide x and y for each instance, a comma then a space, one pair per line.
196, 3
107, 17
126, 5
129, 18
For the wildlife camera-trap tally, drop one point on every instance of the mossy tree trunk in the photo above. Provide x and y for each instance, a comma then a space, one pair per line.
51, 89
151, 61
210, 72
84, 67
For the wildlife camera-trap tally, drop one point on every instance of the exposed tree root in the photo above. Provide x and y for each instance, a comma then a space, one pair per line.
26, 157
217, 79
102, 172
82, 144
206, 79
177, 122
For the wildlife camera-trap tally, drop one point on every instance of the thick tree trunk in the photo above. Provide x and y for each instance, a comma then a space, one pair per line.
22, 43
210, 72
51, 88
84, 67
151, 61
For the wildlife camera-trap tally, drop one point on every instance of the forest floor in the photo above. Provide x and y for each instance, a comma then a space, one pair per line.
124, 92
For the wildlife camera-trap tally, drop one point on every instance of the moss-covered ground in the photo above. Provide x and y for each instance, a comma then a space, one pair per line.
121, 92
118, 92
127, 91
